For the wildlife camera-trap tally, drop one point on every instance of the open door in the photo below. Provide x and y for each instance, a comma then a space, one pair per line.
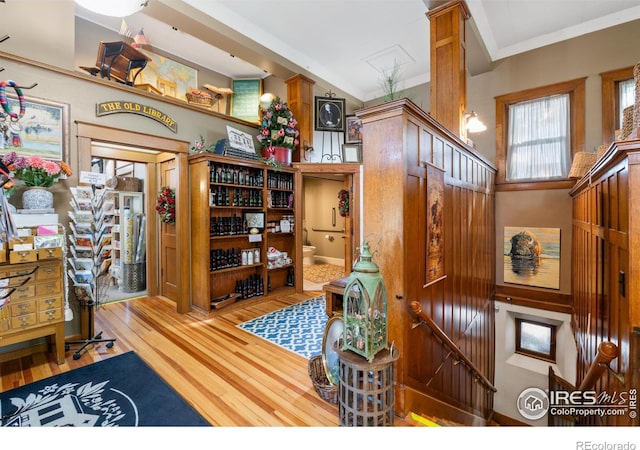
168, 256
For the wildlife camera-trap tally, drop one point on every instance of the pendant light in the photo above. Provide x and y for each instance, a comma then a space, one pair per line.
114, 8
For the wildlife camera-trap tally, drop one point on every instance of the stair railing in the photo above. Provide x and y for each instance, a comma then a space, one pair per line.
446, 340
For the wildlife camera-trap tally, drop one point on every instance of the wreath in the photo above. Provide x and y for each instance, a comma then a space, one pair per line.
166, 205
343, 204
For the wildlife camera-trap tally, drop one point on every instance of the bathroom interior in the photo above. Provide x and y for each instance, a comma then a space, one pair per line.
323, 230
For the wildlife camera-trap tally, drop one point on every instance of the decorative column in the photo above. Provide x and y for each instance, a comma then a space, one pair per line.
448, 67
300, 101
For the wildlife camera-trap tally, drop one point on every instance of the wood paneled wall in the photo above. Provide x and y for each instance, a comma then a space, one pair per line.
400, 142
606, 264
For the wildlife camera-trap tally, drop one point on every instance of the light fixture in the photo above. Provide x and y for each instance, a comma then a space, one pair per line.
114, 8
265, 100
473, 124
139, 39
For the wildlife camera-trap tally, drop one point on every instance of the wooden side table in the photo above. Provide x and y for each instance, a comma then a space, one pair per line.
333, 295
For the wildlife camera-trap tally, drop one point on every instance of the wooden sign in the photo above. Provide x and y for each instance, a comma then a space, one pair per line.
120, 106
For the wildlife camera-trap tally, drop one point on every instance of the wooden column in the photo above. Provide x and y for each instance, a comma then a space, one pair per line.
448, 68
300, 100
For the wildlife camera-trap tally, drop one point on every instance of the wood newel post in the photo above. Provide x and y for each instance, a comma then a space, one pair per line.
607, 352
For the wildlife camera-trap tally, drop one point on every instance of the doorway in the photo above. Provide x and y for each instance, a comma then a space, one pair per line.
154, 153
330, 233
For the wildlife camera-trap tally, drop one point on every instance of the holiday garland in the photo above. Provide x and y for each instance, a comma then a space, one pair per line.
166, 205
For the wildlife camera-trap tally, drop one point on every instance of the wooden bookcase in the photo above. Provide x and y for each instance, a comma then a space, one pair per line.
229, 196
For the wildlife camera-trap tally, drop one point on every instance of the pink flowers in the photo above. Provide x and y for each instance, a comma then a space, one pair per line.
34, 170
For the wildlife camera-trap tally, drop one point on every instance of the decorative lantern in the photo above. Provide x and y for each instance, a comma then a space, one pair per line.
365, 309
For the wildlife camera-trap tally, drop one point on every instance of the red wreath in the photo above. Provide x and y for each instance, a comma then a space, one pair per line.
343, 204
166, 205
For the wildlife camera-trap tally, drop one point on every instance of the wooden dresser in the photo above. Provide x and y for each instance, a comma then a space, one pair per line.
36, 306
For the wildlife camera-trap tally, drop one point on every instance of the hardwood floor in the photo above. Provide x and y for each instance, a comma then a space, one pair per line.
231, 377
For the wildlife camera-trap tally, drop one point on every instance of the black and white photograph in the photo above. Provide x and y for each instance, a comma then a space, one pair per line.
329, 114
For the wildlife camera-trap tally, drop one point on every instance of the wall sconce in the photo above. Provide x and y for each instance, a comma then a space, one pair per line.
472, 123
114, 8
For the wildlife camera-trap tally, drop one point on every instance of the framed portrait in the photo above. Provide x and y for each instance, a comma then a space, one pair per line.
254, 220
329, 113
43, 131
351, 153
353, 133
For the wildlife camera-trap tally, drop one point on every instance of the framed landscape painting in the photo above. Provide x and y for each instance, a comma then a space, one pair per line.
43, 131
532, 256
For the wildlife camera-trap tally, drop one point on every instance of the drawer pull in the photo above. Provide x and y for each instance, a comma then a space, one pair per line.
50, 301
24, 322
48, 270
23, 306
22, 289
49, 251
50, 315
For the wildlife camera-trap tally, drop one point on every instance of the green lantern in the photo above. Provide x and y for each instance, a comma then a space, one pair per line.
365, 309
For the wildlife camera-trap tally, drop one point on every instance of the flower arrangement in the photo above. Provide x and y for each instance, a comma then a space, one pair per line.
278, 128
166, 205
200, 147
34, 170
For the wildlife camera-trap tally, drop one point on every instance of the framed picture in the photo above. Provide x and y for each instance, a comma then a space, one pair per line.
43, 131
354, 130
329, 114
532, 256
245, 100
351, 153
172, 78
254, 220
435, 225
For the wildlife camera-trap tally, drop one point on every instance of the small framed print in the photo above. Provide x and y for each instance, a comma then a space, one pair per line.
353, 134
254, 220
329, 114
351, 153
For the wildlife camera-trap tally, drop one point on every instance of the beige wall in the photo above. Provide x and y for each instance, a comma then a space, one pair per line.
320, 197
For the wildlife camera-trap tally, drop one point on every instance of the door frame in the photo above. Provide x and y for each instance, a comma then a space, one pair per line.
162, 149
353, 178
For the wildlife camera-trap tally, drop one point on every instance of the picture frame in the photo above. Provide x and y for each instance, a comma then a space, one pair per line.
255, 220
43, 131
171, 78
245, 100
435, 231
531, 256
351, 153
329, 114
353, 133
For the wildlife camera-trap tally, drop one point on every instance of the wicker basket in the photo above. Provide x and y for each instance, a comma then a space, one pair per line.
324, 388
200, 100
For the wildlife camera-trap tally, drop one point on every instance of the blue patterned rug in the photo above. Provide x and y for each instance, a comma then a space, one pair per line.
298, 328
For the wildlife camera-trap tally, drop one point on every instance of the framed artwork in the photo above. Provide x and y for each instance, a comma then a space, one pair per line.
353, 134
255, 220
43, 131
329, 113
435, 225
245, 100
532, 256
170, 77
351, 153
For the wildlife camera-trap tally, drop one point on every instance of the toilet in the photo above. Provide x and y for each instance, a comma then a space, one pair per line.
308, 255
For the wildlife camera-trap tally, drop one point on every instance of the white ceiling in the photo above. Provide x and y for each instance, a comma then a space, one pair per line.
348, 44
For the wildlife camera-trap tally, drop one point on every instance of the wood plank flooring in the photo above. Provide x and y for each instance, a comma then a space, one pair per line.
231, 377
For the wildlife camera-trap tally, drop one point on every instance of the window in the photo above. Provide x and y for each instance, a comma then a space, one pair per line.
537, 133
539, 139
536, 339
616, 87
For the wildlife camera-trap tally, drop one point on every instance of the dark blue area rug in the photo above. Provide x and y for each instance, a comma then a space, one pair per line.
122, 391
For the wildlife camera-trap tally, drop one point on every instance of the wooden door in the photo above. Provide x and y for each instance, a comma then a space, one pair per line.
167, 248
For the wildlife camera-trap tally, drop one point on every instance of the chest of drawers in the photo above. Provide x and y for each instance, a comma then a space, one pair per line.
36, 305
